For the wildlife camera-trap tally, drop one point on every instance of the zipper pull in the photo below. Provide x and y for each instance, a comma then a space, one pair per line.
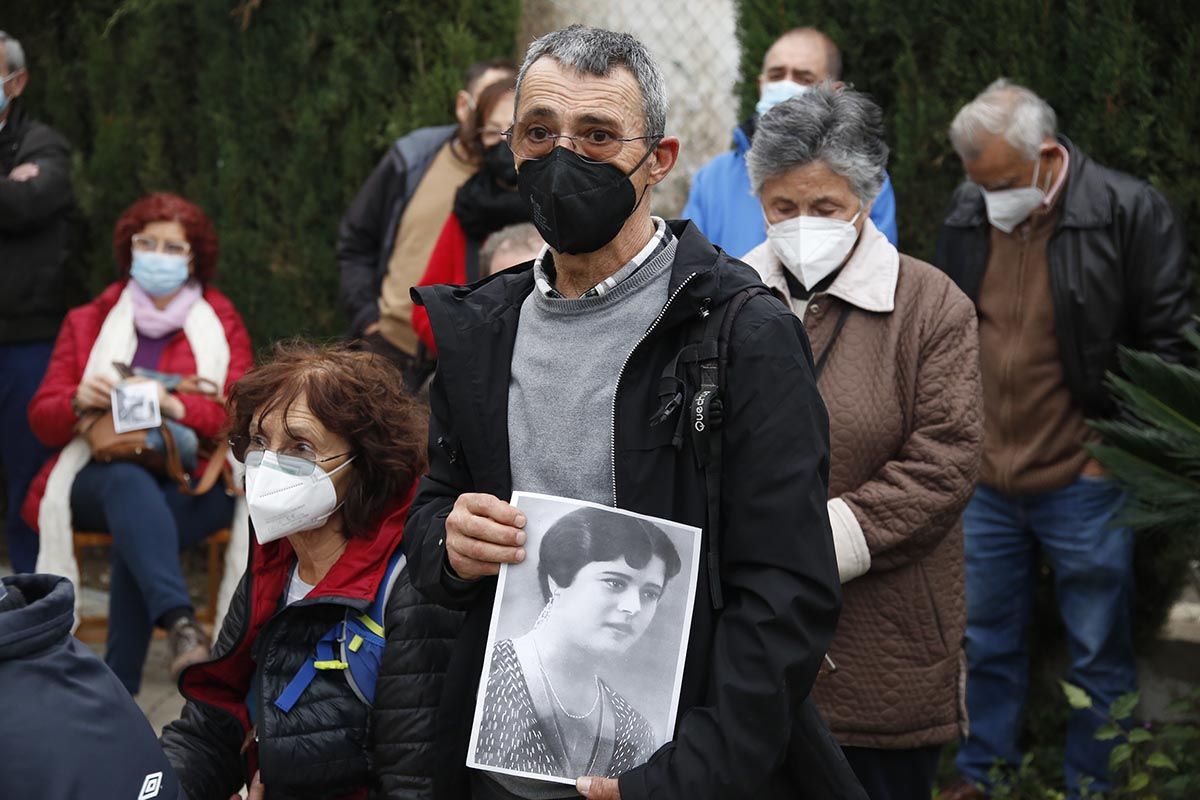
667, 410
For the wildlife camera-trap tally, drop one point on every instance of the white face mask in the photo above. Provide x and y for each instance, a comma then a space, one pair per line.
282, 503
812, 247
1008, 208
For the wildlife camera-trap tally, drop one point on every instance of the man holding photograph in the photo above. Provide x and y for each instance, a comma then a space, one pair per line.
549, 377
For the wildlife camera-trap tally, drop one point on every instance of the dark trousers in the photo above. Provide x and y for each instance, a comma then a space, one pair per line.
21, 454
150, 521
895, 774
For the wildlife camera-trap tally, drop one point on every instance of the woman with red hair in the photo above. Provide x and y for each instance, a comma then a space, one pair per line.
163, 319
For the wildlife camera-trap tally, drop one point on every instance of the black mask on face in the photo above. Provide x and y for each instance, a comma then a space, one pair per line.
498, 163
578, 205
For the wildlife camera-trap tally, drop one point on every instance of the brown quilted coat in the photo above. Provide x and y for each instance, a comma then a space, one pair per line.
903, 392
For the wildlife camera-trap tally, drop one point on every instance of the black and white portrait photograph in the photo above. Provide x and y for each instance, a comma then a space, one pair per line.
588, 636
135, 406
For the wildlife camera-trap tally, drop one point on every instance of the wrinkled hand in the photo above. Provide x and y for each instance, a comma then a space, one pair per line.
24, 172
483, 532
95, 392
599, 788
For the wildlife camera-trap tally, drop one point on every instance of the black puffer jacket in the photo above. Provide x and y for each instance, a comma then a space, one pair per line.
1118, 271
330, 745
34, 227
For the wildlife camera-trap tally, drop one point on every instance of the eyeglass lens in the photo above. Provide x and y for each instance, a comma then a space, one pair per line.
150, 244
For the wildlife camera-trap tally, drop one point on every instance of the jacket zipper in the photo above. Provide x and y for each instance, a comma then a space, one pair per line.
621, 374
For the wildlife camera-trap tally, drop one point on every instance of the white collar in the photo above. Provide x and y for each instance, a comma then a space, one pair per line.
867, 280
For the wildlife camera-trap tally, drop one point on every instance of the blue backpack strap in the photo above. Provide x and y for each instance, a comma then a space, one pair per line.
326, 656
366, 639
355, 646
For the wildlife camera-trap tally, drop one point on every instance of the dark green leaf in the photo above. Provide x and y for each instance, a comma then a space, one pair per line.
1123, 706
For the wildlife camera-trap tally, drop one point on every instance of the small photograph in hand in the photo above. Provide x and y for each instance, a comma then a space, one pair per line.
135, 406
587, 642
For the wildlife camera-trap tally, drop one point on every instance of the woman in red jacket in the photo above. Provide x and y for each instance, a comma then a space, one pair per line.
163, 318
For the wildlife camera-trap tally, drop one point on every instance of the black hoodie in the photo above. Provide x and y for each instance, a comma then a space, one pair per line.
71, 731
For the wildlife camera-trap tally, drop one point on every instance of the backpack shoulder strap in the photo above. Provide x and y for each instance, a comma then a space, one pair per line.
706, 421
354, 645
378, 609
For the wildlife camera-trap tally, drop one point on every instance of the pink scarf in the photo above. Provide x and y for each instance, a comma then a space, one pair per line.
156, 323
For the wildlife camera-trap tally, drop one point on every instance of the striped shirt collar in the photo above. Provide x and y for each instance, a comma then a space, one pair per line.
544, 274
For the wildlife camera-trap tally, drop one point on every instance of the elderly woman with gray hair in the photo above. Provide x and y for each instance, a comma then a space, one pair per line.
896, 355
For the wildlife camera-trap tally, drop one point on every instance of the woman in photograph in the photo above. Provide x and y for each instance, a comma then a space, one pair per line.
547, 710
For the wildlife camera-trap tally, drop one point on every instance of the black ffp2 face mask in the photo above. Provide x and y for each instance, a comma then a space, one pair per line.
578, 205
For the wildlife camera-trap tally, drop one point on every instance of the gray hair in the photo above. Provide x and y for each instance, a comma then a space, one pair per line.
594, 51
13, 52
1024, 119
841, 128
520, 233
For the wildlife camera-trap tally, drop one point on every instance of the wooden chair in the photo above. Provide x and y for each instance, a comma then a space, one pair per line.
91, 627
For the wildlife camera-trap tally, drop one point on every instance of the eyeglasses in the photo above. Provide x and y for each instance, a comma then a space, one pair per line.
293, 460
533, 141
152, 244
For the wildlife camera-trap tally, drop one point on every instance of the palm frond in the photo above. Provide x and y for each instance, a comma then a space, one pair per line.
1153, 447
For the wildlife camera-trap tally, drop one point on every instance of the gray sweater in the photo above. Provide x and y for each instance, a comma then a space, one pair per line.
565, 364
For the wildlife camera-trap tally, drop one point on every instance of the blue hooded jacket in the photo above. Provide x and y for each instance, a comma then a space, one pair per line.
727, 212
68, 729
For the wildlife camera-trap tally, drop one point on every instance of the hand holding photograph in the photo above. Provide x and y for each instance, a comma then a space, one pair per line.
587, 642
135, 406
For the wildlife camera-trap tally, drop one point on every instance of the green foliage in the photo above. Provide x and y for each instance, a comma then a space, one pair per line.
1120, 74
267, 113
1147, 761
1155, 448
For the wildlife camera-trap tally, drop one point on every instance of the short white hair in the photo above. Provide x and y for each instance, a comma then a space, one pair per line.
1024, 119
14, 54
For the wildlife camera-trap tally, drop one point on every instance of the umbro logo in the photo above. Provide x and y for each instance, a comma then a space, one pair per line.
151, 786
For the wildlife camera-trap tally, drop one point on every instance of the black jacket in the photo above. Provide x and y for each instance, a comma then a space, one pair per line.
1118, 271
748, 666
330, 745
368, 230
34, 229
68, 729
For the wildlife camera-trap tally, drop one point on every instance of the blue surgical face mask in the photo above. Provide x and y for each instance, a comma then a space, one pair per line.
4, 98
158, 273
776, 92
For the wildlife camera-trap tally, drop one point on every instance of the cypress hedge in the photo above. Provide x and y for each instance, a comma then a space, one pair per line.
267, 113
1119, 73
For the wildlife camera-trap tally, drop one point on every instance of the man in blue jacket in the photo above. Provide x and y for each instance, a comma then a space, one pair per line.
70, 730
720, 202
